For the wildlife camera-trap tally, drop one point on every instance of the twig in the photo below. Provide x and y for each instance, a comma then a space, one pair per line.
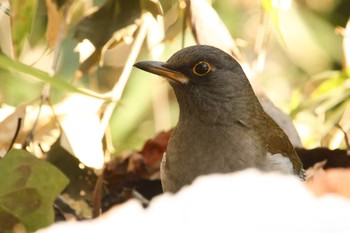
19, 123
97, 196
45, 93
118, 89
346, 139
30, 135
138, 196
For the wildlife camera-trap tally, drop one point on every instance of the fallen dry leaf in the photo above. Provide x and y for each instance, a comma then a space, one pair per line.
154, 149
135, 171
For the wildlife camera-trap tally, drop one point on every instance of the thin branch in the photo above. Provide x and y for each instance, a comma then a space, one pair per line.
30, 135
118, 89
346, 139
97, 196
138, 196
19, 123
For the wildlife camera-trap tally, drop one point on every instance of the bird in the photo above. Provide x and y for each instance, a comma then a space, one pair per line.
222, 127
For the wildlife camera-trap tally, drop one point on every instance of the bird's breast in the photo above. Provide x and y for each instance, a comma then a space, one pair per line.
196, 149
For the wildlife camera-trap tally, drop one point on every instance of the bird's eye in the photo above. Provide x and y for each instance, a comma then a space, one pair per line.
201, 68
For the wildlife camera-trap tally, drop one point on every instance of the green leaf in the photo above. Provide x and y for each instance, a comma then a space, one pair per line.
99, 26
8, 64
333, 117
22, 21
336, 99
331, 92
28, 189
333, 82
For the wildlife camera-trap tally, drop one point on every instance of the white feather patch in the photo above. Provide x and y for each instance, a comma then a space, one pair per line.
278, 162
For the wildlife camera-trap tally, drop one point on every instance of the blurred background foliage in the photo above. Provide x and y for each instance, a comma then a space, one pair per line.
292, 49
68, 86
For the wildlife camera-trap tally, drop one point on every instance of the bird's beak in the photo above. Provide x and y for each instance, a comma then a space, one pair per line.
159, 68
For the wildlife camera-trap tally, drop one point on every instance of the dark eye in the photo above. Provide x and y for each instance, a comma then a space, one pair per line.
201, 68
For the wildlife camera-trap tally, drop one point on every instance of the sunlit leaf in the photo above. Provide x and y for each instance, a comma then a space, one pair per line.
80, 122
27, 191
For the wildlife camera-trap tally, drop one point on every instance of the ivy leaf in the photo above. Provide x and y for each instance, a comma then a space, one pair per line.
28, 189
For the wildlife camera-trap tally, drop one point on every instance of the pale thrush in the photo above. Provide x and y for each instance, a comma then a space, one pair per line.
222, 126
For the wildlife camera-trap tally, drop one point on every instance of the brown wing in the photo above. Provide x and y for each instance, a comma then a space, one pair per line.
277, 142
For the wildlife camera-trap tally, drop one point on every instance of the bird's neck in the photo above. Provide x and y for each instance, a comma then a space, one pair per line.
226, 111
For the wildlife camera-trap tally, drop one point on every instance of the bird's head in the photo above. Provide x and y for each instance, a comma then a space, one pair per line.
206, 80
